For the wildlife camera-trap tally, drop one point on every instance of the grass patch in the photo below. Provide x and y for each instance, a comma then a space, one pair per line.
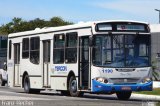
158, 104
156, 91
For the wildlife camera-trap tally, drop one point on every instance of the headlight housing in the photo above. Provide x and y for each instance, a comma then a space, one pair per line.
102, 80
146, 80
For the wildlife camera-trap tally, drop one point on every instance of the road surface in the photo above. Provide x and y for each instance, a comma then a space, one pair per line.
16, 97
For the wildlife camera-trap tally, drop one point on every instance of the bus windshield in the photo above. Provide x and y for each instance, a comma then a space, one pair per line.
121, 50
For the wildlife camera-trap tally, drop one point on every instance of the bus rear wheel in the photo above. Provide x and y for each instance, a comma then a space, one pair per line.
27, 88
73, 87
124, 95
27, 84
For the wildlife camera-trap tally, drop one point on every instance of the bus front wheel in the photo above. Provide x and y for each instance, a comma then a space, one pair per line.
124, 95
73, 87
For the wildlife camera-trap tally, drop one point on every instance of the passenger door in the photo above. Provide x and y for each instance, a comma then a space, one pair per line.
84, 63
17, 64
46, 63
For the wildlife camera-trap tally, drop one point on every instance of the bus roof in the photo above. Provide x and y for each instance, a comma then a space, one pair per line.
74, 26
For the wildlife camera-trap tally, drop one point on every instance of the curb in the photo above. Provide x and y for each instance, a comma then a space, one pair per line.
145, 97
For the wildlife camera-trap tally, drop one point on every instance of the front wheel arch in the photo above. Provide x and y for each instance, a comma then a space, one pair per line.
73, 91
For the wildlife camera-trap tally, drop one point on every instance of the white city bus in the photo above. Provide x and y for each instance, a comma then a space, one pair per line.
97, 57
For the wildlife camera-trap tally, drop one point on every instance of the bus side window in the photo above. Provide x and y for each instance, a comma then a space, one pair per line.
10, 48
58, 52
25, 48
34, 50
71, 47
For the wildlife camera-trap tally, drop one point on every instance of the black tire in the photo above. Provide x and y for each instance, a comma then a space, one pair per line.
73, 88
27, 88
124, 95
26, 83
2, 83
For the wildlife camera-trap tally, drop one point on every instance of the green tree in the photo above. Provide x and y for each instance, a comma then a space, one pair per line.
11, 27
19, 25
37, 23
58, 21
6, 29
16, 23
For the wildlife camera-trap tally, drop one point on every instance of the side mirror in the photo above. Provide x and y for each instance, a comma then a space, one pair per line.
5, 67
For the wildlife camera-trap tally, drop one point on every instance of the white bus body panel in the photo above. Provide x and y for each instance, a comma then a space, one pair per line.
59, 77
10, 71
34, 72
113, 73
57, 80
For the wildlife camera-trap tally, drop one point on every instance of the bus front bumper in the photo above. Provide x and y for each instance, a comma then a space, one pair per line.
98, 87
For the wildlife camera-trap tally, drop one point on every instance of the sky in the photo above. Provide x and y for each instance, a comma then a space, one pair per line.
80, 10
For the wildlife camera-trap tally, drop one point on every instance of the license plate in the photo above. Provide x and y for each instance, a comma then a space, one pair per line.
126, 88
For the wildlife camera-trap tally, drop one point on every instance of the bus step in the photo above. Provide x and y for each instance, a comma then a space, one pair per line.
85, 90
46, 86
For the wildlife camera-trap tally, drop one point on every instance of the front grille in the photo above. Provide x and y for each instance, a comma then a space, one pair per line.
124, 80
125, 69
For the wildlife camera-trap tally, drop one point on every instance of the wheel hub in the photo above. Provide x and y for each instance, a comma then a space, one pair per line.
74, 85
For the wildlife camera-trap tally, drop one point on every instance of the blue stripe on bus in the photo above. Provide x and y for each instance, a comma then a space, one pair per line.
104, 88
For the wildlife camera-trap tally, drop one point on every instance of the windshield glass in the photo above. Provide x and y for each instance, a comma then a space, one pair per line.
121, 50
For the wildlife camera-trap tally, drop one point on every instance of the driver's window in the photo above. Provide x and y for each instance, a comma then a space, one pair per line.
106, 59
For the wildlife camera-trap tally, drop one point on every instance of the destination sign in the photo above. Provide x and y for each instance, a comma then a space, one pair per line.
104, 27
121, 26
131, 27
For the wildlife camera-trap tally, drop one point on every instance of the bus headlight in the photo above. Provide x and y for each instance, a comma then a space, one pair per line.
146, 79
102, 80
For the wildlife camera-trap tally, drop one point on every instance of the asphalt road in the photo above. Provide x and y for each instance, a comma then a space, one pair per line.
16, 97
